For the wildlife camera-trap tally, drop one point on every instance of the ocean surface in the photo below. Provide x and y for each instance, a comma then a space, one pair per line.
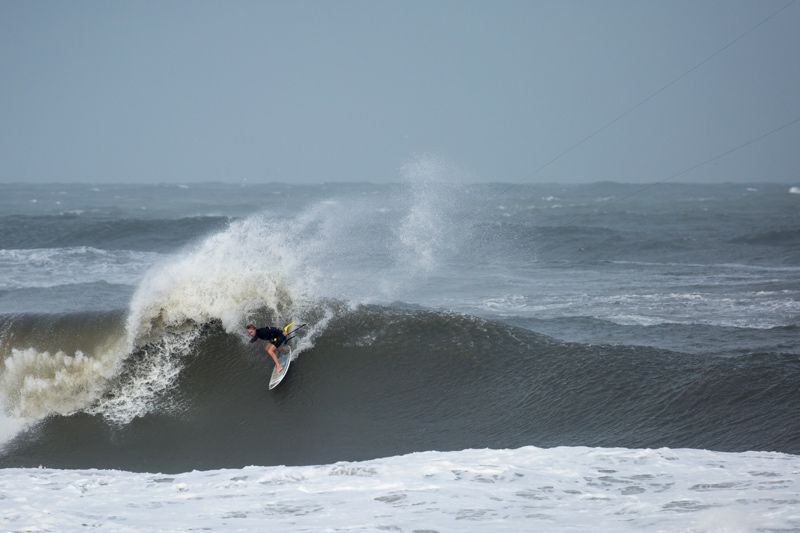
606, 357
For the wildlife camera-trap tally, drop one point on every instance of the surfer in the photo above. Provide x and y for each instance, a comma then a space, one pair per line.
274, 337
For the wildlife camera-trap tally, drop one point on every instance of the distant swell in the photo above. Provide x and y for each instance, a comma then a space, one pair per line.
771, 238
68, 230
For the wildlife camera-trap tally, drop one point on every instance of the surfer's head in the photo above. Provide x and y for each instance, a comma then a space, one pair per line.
251, 329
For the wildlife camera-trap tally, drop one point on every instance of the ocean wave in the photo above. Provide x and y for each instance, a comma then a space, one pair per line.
783, 237
169, 382
378, 381
719, 267
261, 269
746, 309
75, 230
50, 267
220, 280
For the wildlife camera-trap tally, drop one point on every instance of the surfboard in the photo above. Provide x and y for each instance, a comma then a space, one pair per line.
277, 377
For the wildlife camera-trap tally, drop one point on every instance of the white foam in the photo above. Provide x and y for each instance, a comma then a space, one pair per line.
726, 295
36, 384
528, 489
10, 425
750, 309
794, 190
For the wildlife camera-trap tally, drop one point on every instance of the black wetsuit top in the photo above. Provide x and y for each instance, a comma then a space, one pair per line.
273, 335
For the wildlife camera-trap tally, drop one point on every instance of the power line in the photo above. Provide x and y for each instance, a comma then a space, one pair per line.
620, 117
661, 90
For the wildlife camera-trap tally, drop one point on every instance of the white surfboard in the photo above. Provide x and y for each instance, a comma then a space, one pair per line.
277, 377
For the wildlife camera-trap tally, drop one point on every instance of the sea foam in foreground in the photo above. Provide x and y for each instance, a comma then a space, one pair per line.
528, 489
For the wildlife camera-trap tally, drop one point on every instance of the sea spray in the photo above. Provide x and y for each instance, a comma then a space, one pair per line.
427, 232
226, 277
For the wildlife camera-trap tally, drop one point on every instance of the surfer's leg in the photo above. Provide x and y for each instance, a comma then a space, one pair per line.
272, 353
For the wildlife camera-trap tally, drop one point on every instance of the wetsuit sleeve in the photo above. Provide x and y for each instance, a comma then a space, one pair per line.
268, 334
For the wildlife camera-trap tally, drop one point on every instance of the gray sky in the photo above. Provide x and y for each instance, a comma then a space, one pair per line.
306, 92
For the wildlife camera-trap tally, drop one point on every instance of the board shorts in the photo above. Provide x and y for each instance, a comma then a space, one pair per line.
277, 341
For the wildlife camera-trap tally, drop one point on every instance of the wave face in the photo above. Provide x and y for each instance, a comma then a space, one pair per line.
382, 382
440, 317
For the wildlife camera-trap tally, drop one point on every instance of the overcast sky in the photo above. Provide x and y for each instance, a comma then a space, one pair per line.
307, 92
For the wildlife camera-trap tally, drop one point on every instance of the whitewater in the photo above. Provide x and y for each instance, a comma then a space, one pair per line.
538, 361
528, 489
